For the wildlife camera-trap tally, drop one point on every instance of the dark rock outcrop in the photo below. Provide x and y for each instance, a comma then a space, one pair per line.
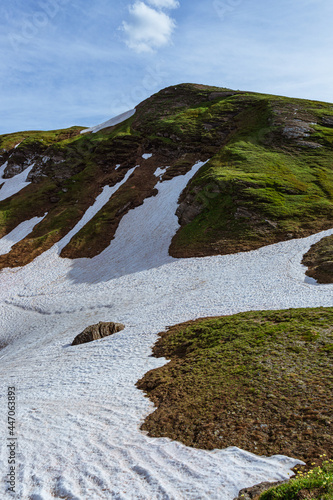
319, 260
99, 331
254, 492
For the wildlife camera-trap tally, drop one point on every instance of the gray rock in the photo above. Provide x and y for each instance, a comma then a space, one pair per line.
99, 331
328, 121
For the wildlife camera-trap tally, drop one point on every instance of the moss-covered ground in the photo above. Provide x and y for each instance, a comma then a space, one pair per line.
263, 185
261, 381
9, 141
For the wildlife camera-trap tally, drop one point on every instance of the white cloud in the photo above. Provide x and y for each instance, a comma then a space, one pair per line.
148, 28
164, 4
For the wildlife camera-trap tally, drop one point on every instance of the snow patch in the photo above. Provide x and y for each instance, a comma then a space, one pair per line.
101, 200
18, 234
160, 171
2, 169
110, 123
143, 236
14, 184
146, 156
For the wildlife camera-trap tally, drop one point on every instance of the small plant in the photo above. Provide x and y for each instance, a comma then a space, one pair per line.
315, 484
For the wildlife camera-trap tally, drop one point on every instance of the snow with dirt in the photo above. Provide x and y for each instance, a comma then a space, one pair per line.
79, 411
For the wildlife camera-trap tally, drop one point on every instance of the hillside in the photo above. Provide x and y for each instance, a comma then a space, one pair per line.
269, 177
91, 224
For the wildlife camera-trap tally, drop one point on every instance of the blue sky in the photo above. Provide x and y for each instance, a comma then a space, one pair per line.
77, 62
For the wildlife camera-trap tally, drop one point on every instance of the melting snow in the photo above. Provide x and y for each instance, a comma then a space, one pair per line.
110, 123
14, 184
101, 200
79, 411
146, 156
160, 171
18, 234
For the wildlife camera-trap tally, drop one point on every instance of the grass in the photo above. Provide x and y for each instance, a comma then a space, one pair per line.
9, 141
316, 484
261, 381
280, 187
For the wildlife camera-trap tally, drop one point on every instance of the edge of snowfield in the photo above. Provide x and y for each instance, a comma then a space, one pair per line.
78, 410
110, 123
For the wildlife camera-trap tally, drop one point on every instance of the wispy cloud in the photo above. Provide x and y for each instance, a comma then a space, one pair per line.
149, 28
164, 4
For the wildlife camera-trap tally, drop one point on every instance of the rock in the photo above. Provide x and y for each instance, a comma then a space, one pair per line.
297, 129
326, 267
54, 199
254, 492
99, 331
14, 169
327, 121
190, 206
308, 144
216, 95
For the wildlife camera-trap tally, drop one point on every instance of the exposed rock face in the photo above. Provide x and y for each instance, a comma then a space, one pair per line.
99, 331
189, 207
22, 158
327, 121
297, 129
14, 169
319, 260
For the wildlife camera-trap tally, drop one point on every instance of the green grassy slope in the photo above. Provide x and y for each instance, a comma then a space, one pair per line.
261, 381
264, 185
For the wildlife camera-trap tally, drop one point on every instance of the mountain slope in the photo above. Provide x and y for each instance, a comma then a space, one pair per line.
269, 178
80, 413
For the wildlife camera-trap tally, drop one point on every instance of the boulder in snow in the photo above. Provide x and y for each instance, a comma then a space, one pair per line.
99, 331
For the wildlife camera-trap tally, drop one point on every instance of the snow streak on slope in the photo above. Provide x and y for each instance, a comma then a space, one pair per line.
110, 123
143, 237
14, 184
101, 200
79, 411
18, 234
